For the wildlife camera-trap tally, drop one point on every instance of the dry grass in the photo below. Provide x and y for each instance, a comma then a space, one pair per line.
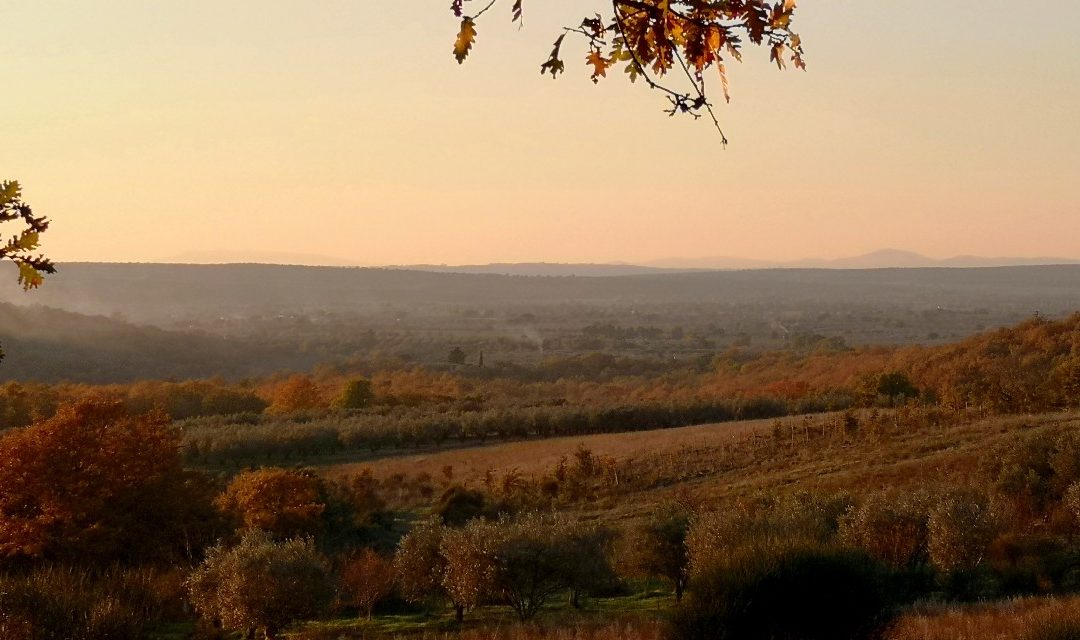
720, 462
616, 631
537, 456
1010, 620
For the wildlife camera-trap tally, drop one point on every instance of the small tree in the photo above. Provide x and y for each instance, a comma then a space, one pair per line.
960, 527
588, 559
367, 579
471, 563
298, 393
261, 584
456, 356
418, 564
357, 394
658, 548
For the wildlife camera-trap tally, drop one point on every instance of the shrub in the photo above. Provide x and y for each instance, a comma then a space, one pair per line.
960, 528
261, 584
891, 527
458, 505
763, 527
800, 594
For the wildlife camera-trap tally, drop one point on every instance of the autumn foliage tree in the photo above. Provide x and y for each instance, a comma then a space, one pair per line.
652, 39
281, 502
297, 393
93, 484
367, 578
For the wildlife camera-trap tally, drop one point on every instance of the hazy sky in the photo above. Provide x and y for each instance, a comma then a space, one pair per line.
148, 129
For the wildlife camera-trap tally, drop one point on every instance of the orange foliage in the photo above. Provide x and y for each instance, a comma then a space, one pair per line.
367, 578
93, 484
297, 393
281, 502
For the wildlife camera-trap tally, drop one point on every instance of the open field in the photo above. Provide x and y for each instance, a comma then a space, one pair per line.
738, 459
536, 456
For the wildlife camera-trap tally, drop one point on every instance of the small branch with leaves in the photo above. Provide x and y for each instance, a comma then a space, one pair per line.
21, 247
649, 38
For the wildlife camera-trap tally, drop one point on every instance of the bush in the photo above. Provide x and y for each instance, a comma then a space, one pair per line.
458, 505
800, 595
891, 527
960, 528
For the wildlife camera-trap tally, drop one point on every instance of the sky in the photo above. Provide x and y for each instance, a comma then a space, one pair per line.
344, 130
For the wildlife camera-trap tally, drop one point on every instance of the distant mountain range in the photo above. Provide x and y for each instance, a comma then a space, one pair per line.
883, 259
548, 269
167, 294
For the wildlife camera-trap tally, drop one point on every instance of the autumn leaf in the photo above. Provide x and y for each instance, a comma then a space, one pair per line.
777, 55
724, 81
554, 65
29, 277
465, 39
756, 22
599, 64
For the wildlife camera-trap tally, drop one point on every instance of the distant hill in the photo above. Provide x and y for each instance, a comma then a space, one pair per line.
48, 345
167, 294
883, 259
544, 269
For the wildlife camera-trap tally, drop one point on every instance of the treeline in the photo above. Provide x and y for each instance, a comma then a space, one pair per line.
1032, 367
255, 439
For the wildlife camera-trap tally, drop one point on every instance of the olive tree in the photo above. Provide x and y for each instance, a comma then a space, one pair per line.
261, 584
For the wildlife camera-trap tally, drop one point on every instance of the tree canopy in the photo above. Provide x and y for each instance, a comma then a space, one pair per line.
649, 39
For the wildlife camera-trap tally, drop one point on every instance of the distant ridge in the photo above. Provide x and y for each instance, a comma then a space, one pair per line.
882, 259
545, 269
169, 293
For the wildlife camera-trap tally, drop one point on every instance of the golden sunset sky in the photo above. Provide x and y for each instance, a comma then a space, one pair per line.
152, 130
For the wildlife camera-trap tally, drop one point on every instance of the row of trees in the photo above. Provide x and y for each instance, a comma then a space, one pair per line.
250, 438
521, 561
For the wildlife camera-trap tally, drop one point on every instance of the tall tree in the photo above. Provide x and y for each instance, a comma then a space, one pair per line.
94, 485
